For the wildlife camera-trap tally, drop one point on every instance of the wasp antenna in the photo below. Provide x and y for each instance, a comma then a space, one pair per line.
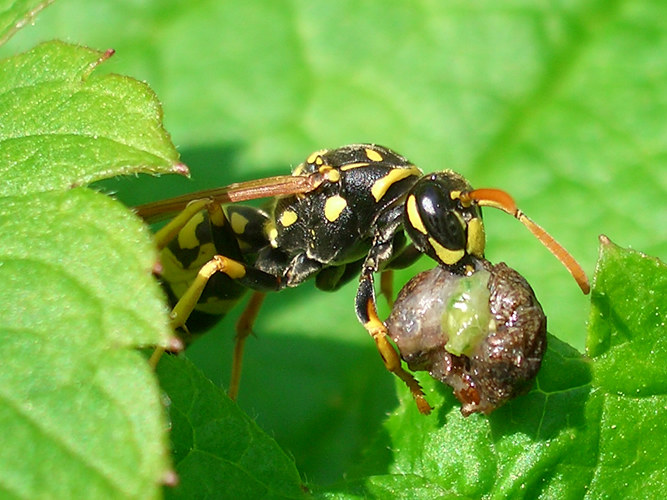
503, 201
555, 248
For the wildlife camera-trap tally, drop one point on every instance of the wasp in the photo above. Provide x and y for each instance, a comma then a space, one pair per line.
343, 213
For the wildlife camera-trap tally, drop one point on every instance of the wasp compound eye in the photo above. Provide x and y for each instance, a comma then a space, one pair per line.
438, 212
484, 334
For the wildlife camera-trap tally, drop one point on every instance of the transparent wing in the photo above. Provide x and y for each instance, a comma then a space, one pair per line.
279, 185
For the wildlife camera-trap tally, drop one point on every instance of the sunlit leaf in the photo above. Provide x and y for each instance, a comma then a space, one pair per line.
63, 127
589, 427
80, 410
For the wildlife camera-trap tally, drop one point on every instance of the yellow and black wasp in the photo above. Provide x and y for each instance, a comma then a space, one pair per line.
342, 213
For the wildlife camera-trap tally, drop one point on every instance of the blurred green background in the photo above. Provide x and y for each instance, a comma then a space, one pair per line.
562, 104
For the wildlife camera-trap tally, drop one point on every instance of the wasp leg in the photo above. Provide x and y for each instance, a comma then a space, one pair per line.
155, 357
246, 275
365, 304
242, 226
366, 308
243, 329
162, 239
171, 230
367, 314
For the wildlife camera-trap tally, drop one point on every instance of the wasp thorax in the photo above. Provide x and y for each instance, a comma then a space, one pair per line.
437, 221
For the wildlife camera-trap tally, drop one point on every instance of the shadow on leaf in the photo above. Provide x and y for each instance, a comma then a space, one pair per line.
556, 402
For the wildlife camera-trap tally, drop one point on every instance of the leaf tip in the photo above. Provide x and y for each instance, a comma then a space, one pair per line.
171, 478
103, 57
606, 246
175, 344
157, 268
181, 169
107, 54
604, 240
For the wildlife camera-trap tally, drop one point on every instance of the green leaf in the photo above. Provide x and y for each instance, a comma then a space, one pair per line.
80, 410
60, 124
589, 427
628, 346
630, 289
219, 452
76, 292
560, 103
14, 14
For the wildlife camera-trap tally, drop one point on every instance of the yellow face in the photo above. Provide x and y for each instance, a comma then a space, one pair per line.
476, 237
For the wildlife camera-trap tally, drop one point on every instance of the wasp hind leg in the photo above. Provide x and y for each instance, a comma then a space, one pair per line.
245, 227
249, 277
243, 330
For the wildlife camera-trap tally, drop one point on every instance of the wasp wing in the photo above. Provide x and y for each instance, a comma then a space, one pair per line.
280, 185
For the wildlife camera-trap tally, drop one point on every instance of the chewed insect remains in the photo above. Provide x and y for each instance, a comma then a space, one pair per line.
343, 214
483, 333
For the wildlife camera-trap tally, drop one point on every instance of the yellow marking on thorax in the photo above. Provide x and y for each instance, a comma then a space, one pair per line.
333, 207
271, 233
238, 222
287, 218
316, 157
373, 155
413, 215
330, 173
350, 166
382, 185
187, 238
298, 170
446, 255
476, 237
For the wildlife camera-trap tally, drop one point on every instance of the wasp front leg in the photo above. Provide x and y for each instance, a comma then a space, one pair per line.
366, 309
367, 314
